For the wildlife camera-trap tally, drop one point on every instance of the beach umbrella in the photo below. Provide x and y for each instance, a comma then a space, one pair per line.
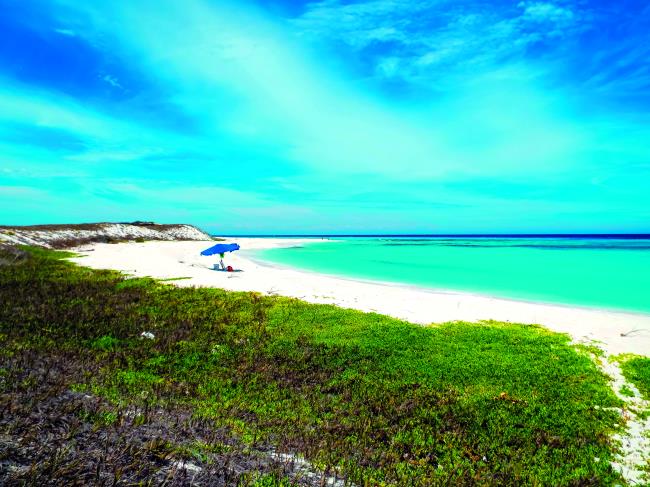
220, 249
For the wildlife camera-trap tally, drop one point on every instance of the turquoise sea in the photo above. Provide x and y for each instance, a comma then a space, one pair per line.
604, 272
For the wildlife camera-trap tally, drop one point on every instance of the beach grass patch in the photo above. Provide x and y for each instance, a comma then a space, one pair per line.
636, 369
106, 342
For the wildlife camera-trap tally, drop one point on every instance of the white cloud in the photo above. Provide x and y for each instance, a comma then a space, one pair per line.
546, 12
111, 80
242, 74
248, 81
438, 39
66, 32
20, 192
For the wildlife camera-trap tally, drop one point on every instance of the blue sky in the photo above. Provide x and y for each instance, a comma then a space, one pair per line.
366, 116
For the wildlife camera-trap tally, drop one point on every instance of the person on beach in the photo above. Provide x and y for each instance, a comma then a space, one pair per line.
220, 249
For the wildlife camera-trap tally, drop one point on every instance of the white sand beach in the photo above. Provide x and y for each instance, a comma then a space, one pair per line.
615, 332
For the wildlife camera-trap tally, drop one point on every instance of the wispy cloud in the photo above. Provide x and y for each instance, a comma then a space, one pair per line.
65, 32
433, 41
426, 115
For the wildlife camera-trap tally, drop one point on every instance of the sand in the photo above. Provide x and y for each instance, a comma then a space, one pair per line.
614, 332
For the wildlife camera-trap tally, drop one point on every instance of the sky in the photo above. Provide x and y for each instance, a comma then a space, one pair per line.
329, 116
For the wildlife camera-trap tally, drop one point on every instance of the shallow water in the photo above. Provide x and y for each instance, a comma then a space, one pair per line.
601, 272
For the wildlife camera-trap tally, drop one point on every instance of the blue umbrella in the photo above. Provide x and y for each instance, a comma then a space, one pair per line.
220, 249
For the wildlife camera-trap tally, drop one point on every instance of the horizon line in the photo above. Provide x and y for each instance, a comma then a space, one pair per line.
474, 235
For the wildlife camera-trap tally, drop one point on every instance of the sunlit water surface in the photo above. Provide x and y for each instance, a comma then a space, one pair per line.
601, 272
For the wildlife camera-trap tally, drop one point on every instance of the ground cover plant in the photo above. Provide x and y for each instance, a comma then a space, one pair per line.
232, 386
637, 370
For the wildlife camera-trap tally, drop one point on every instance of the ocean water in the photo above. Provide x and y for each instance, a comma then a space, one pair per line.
611, 273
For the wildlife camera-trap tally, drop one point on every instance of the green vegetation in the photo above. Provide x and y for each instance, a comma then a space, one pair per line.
626, 391
591, 349
636, 369
230, 378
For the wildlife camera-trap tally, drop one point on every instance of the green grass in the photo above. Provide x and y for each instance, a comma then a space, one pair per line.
382, 401
636, 369
626, 391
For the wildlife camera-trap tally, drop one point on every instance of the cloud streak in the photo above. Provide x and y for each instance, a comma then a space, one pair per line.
413, 40
386, 114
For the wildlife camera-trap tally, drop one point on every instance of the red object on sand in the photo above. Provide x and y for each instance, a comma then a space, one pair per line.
229, 268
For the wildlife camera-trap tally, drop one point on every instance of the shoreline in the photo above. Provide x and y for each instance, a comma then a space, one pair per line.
450, 292
614, 331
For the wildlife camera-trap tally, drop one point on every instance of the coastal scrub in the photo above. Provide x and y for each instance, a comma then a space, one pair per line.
637, 370
233, 384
